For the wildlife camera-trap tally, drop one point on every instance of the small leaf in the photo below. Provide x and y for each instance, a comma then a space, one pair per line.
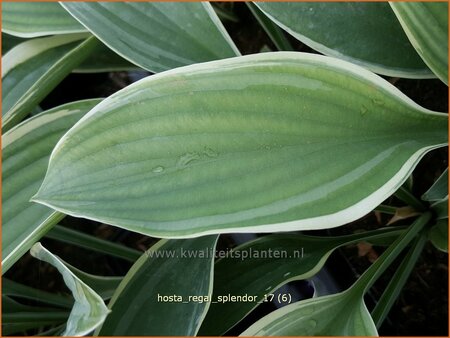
33, 68
171, 268
279, 259
341, 314
403, 213
242, 145
33, 19
157, 35
25, 151
426, 25
439, 189
88, 311
438, 235
364, 33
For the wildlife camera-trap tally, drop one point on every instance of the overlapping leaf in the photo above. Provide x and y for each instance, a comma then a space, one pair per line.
88, 311
268, 142
341, 314
33, 68
241, 273
26, 150
157, 35
175, 268
17, 318
365, 33
426, 24
33, 19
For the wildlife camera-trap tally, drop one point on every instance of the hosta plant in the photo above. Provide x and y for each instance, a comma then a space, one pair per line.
210, 149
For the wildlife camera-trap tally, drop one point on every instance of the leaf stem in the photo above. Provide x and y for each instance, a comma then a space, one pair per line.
275, 33
405, 195
369, 277
90, 242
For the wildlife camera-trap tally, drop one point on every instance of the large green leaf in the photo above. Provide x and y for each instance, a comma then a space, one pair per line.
240, 145
33, 68
32, 19
157, 36
426, 25
367, 34
341, 314
279, 259
171, 268
25, 151
88, 311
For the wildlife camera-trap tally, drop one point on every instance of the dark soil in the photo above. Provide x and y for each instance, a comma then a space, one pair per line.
421, 309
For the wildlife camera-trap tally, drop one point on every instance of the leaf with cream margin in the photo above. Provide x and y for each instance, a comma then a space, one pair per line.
341, 314
104, 286
89, 311
34, 19
242, 273
171, 267
364, 33
241, 145
157, 35
426, 25
34, 68
25, 150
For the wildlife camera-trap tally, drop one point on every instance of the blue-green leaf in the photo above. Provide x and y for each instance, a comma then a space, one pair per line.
155, 298
157, 35
33, 19
242, 145
34, 68
88, 311
364, 33
25, 151
426, 25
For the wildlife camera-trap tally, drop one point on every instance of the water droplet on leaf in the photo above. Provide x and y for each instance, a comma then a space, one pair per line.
158, 169
210, 152
187, 158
